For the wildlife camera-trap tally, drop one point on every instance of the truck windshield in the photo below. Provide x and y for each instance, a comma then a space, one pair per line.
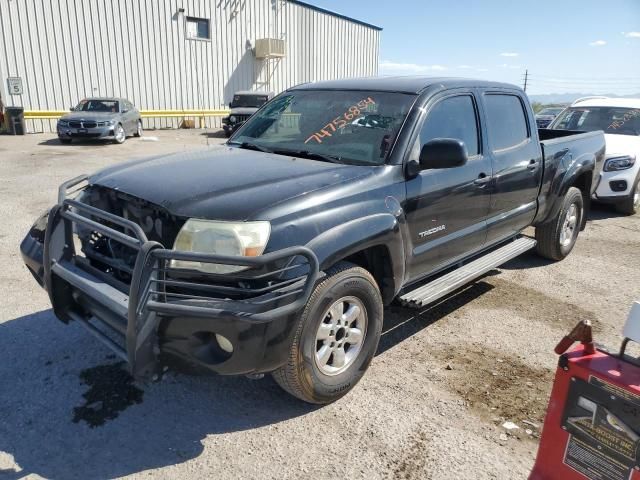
355, 127
249, 101
613, 120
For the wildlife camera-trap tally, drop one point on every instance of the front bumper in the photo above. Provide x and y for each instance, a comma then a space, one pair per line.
167, 317
97, 132
608, 190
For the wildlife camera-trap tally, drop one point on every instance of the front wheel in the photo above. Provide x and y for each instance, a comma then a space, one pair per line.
118, 134
557, 238
138, 129
336, 337
631, 204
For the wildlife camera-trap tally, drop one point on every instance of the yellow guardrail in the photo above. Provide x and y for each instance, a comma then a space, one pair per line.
54, 114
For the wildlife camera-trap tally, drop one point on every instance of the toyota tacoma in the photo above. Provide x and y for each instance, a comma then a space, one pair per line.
277, 252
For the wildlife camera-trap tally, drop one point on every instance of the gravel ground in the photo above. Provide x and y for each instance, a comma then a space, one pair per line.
431, 405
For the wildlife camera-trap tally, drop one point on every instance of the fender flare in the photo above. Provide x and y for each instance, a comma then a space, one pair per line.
344, 240
563, 183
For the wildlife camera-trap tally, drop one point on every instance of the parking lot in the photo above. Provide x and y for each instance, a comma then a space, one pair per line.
432, 405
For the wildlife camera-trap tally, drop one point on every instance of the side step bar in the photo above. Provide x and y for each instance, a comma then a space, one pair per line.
459, 277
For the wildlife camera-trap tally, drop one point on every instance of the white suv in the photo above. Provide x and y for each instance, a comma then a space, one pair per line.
619, 118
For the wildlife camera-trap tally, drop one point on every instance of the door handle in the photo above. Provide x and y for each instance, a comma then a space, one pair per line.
482, 179
532, 165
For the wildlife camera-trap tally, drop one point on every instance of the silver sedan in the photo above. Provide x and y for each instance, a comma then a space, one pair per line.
100, 118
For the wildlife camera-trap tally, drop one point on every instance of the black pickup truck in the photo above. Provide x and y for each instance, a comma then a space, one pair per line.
276, 252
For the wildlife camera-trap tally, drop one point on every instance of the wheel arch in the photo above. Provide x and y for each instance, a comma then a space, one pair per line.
373, 243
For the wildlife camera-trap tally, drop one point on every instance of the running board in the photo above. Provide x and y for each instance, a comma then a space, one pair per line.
459, 277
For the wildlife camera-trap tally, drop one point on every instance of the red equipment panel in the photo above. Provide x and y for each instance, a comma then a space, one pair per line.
592, 427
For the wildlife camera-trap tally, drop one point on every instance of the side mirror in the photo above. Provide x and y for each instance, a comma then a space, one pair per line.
125, 111
443, 153
72, 109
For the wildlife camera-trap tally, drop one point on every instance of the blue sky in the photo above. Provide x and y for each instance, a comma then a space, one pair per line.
572, 46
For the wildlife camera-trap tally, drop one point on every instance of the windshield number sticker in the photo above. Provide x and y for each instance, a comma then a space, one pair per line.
627, 116
341, 121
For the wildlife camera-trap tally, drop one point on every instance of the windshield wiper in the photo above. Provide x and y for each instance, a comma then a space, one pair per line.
310, 155
253, 146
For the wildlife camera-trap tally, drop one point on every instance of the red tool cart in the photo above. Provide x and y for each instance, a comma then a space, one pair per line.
592, 427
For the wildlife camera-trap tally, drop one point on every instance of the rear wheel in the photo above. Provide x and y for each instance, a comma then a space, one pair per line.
336, 336
557, 238
631, 204
119, 136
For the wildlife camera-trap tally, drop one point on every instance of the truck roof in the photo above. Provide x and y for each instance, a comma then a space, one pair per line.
253, 92
608, 102
399, 84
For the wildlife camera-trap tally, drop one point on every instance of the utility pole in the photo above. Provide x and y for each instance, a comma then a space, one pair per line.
526, 77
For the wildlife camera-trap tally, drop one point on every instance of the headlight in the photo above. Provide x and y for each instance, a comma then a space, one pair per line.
63, 123
232, 119
244, 239
619, 163
111, 122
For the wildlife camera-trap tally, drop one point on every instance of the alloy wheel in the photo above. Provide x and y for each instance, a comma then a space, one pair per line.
569, 225
340, 335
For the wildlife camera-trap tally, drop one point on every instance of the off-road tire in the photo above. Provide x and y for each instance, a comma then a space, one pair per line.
300, 376
630, 205
549, 234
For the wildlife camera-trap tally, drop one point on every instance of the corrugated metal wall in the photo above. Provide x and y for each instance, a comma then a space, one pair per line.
65, 50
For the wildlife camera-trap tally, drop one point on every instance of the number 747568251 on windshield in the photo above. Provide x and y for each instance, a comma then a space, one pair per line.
341, 120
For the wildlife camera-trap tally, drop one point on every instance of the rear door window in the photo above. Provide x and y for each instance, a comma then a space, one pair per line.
453, 117
506, 121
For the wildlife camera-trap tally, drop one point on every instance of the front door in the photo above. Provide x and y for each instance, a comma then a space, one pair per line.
447, 208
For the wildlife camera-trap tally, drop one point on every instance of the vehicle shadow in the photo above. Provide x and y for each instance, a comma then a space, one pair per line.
55, 141
602, 211
401, 323
48, 374
69, 412
214, 133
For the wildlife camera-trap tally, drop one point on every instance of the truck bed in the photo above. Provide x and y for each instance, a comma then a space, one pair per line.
572, 143
560, 150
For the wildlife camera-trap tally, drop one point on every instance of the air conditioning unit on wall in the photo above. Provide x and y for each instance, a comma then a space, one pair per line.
269, 48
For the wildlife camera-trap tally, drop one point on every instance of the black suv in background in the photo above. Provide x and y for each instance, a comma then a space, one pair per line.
243, 105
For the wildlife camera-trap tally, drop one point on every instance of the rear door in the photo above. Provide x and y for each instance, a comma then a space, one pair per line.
516, 160
447, 208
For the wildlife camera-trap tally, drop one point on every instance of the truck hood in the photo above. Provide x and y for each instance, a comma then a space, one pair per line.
622, 144
224, 183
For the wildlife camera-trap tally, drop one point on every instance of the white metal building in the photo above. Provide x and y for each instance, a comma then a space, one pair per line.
172, 58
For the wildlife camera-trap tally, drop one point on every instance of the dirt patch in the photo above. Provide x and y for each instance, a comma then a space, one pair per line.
414, 461
498, 387
532, 304
111, 391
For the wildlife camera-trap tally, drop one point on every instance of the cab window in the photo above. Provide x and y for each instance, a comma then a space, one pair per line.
454, 117
506, 120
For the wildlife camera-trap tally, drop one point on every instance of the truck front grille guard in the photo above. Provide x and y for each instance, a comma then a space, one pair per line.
275, 284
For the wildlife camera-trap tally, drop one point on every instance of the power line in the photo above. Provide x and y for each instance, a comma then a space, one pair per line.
586, 77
